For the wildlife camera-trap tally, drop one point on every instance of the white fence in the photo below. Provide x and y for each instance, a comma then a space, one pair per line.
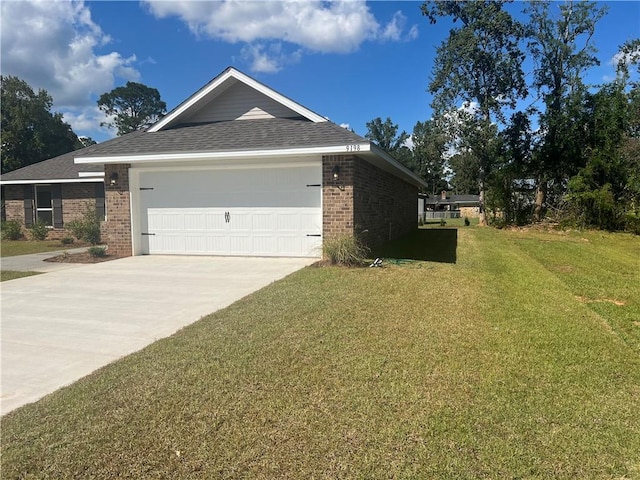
430, 215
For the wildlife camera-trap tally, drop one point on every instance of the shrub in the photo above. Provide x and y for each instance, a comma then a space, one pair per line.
97, 252
39, 230
347, 250
442, 222
466, 221
86, 228
11, 230
632, 223
66, 240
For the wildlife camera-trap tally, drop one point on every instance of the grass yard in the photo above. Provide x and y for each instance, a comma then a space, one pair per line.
519, 360
12, 275
11, 248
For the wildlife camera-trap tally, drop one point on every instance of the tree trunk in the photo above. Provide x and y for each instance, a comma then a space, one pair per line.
541, 197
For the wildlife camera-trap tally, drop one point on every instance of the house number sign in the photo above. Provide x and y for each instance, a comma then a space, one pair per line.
353, 148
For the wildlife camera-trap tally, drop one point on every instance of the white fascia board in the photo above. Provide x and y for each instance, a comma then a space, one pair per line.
296, 107
90, 174
204, 156
46, 181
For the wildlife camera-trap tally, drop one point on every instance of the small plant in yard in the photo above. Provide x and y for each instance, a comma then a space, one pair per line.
466, 221
86, 228
66, 240
347, 250
442, 222
11, 230
97, 252
38, 230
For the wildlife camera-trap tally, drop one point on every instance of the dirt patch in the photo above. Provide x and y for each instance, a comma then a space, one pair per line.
82, 257
600, 300
564, 268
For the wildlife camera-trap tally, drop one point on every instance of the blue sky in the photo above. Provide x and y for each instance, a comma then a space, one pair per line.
349, 61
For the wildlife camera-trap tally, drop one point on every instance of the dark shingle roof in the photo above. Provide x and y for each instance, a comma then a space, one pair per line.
62, 167
235, 135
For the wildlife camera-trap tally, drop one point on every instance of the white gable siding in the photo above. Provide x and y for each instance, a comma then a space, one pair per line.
240, 102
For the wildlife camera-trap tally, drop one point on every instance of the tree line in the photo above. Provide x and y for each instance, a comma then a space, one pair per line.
31, 132
572, 155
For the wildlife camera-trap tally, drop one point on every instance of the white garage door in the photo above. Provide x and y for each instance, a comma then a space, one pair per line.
256, 212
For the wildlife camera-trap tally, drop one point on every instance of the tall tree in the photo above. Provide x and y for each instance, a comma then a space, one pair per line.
429, 148
562, 49
30, 131
479, 63
133, 107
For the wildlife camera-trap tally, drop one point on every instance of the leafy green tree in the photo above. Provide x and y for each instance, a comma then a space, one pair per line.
30, 131
479, 63
430, 144
562, 49
133, 107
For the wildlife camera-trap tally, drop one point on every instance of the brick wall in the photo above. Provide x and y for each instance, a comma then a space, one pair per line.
116, 230
366, 200
76, 197
14, 202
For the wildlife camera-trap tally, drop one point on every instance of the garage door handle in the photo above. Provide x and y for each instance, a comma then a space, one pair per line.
314, 235
148, 234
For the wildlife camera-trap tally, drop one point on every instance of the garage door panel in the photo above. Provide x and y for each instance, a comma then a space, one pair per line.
232, 212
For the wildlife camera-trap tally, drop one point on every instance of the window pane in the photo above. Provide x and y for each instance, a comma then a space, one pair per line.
43, 196
46, 217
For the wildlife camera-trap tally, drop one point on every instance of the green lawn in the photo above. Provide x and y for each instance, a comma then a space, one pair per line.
519, 360
11, 248
12, 275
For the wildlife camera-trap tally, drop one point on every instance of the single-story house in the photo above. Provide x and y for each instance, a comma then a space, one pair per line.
240, 169
448, 206
54, 191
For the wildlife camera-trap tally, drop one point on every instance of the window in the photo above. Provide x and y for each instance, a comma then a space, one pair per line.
44, 204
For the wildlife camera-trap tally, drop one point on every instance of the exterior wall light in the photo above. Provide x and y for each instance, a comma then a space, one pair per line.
113, 179
335, 172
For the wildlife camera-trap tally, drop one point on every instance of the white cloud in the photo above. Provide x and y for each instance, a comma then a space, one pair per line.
53, 45
394, 30
346, 126
321, 27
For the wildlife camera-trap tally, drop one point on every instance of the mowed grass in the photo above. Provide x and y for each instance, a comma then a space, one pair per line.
496, 366
6, 275
11, 248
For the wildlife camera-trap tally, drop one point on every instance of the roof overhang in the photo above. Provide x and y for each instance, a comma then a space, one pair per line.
366, 150
83, 179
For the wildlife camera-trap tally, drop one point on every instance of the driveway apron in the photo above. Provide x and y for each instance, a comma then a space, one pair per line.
62, 325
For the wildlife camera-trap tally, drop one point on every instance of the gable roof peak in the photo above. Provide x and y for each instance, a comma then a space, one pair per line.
220, 83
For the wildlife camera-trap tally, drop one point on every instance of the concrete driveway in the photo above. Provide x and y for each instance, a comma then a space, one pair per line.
60, 326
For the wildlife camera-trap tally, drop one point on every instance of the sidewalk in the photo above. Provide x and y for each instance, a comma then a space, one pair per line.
35, 262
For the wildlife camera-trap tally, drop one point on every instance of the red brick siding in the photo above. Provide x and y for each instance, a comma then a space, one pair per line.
366, 200
76, 197
384, 205
116, 229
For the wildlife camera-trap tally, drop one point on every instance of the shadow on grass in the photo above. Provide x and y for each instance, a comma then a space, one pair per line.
430, 245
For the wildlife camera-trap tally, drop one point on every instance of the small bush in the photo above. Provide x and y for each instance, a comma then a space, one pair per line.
66, 241
347, 250
86, 228
632, 223
38, 230
466, 221
442, 222
11, 230
97, 252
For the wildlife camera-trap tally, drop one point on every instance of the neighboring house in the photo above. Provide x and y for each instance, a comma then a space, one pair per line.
54, 191
449, 206
239, 169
